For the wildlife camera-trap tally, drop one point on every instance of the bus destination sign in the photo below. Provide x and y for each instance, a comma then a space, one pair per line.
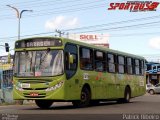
38, 42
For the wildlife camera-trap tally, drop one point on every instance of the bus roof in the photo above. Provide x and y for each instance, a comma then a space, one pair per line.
65, 40
101, 48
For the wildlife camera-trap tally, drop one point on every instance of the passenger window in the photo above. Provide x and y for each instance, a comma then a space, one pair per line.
129, 66
121, 64
137, 67
111, 63
100, 62
142, 67
86, 58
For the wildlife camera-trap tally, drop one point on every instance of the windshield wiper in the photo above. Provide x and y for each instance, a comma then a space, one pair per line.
28, 57
44, 57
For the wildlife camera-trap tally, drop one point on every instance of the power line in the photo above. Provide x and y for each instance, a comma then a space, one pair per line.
75, 4
61, 9
29, 35
113, 28
78, 3
134, 34
55, 10
114, 23
112, 35
35, 3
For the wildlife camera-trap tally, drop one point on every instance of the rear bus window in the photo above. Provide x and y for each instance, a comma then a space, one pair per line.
142, 67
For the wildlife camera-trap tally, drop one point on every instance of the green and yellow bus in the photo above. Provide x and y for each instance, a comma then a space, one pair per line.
51, 69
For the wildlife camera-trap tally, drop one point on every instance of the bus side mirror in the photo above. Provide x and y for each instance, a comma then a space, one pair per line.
70, 59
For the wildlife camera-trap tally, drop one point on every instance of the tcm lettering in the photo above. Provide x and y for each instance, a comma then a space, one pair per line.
135, 6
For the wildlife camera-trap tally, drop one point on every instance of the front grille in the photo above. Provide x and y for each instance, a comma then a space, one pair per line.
34, 88
35, 81
35, 84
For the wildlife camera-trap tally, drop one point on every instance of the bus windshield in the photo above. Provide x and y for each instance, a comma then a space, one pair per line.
39, 63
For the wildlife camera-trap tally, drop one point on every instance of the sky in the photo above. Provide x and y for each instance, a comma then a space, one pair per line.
131, 32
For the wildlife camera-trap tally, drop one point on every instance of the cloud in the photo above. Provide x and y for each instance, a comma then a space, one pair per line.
155, 43
61, 22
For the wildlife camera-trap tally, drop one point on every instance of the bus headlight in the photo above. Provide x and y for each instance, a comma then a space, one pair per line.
55, 86
19, 89
18, 86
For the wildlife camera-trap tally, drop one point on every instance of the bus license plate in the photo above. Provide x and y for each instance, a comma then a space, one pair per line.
34, 94
25, 85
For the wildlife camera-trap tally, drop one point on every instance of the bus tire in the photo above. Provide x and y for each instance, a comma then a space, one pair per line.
127, 95
84, 98
120, 100
151, 92
44, 104
94, 102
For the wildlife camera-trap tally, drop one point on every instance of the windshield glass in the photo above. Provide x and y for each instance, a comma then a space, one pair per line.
39, 63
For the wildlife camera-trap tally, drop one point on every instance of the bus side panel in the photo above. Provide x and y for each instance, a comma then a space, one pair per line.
138, 86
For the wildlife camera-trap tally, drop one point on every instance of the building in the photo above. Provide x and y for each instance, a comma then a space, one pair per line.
94, 39
6, 74
152, 73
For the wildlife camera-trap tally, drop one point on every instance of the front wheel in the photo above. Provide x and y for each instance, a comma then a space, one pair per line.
44, 104
85, 98
151, 92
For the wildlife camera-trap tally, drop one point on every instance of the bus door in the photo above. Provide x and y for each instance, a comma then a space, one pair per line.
71, 65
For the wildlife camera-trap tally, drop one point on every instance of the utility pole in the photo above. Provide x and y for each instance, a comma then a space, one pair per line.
19, 16
60, 33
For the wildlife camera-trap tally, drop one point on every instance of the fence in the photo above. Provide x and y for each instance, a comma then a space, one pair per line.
6, 85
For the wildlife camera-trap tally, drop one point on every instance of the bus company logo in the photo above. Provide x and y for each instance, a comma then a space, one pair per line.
135, 6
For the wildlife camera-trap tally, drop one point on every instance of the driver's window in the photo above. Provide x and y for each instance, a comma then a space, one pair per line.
71, 68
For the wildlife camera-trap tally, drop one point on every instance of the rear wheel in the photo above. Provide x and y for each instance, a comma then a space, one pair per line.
85, 98
151, 92
44, 104
127, 95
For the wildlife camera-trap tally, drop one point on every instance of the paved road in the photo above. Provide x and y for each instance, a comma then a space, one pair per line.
147, 104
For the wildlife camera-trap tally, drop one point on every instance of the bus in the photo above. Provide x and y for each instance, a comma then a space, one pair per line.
52, 69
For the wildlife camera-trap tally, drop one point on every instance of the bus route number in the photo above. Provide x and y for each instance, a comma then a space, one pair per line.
85, 76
